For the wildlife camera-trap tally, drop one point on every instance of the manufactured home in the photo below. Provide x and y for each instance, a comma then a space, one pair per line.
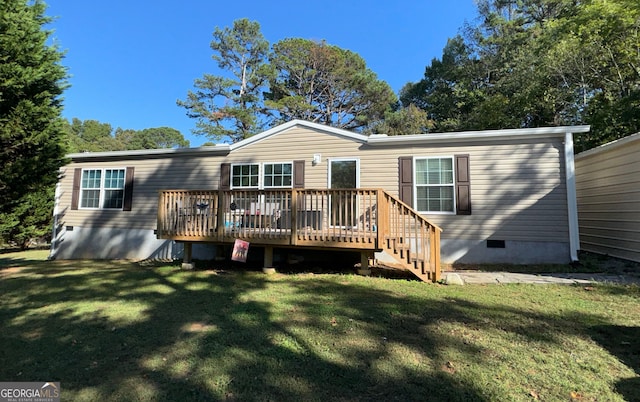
608, 193
495, 196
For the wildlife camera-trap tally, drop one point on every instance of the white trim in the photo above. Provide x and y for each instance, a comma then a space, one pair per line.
486, 135
218, 149
56, 212
572, 203
609, 146
415, 184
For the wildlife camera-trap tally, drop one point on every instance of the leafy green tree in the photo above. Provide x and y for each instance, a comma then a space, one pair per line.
596, 56
531, 63
94, 136
232, 107
31, 137
29, 219
491, 77
125, 137
518, 89
405, 120
325, 84
450, 89
91, 136
159, 137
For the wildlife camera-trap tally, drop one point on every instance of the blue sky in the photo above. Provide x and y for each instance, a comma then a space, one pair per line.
130, 60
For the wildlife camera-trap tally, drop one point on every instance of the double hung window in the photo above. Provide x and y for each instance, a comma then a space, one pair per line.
434, 185
102, 188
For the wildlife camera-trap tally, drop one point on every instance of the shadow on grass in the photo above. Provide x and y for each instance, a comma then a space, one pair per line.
33, 258
132, 333
622, 342
194, 337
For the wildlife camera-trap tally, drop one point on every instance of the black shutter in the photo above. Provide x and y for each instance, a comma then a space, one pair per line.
298, 174
405, 179
463, 185
128, 189
225, 176
75, 192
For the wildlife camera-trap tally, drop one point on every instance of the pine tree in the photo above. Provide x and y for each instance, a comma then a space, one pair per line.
31, 138
232, 107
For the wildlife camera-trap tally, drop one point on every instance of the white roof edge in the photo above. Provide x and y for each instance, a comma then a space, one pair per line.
374, 139
516, 133
285, 126
609, 145
218, 149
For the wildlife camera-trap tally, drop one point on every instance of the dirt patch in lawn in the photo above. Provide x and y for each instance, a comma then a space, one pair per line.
10, 271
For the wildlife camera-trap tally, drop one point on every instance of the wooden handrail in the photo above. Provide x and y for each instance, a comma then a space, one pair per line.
411, 238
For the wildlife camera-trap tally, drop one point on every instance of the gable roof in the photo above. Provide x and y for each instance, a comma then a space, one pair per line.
373, 140
300, 123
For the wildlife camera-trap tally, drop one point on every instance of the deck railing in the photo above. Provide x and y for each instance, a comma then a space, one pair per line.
411, 238
361, 219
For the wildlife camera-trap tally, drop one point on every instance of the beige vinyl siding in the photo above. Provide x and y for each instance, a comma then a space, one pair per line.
300, 144
151, 175
608, 194
517, 188
517, 193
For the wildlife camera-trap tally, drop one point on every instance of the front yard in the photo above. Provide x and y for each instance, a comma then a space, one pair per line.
122, 331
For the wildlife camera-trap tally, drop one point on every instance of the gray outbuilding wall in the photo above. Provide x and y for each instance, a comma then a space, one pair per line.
608, 195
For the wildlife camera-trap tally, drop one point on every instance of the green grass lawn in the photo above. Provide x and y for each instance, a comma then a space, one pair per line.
122, 331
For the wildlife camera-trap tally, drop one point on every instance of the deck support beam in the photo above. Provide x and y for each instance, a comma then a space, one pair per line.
268, 261
220, 255
187, 263
364, 263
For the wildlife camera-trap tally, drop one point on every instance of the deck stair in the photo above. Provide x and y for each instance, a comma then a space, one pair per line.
411, 240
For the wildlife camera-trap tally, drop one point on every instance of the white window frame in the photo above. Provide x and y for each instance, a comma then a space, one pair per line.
452, 185
102, 189
245, 164
263, 172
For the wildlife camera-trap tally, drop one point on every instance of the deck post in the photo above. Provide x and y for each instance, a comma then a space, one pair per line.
186, 260
382, 223
364, 263
161, 215
294, 217
268, 261
220, 256
436, 276
220, 208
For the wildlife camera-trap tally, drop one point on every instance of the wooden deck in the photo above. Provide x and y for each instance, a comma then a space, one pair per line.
365, 220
